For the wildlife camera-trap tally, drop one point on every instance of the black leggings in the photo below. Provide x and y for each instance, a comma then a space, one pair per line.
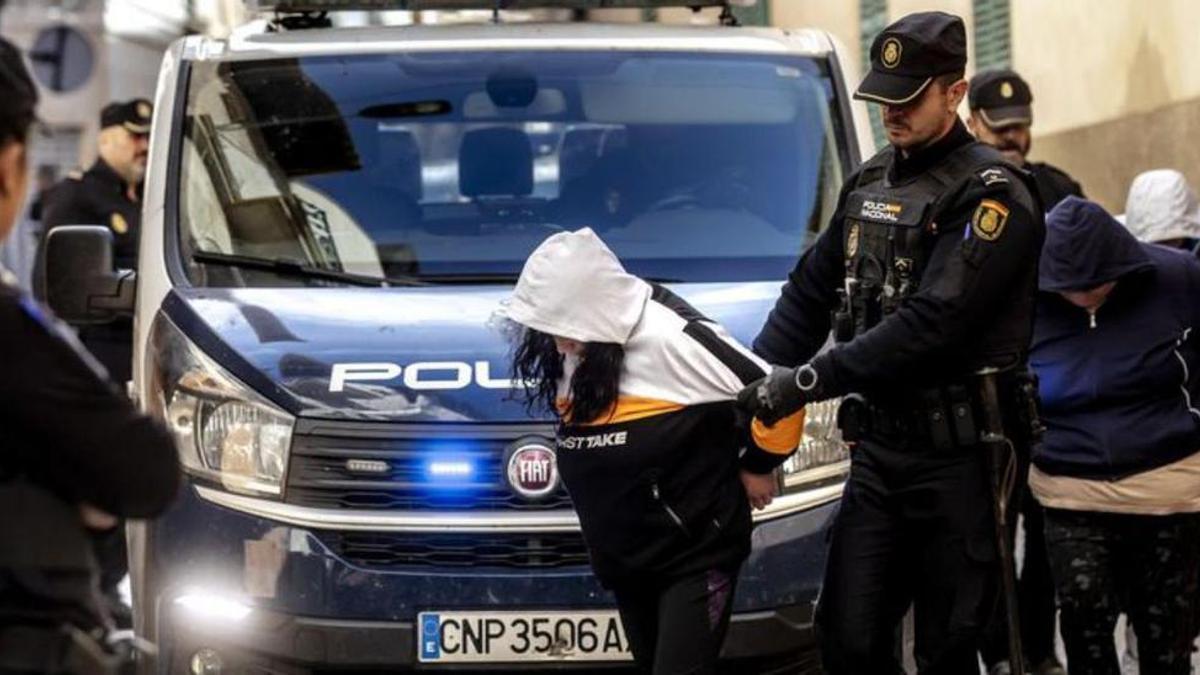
1104, 563
677, 627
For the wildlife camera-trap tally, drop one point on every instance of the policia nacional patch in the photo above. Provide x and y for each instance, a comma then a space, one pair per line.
989, 220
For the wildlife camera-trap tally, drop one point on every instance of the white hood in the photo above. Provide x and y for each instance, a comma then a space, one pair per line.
1162, 206
573, 286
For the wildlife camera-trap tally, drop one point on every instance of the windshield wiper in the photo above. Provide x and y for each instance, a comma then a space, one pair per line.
467, 278
295, 268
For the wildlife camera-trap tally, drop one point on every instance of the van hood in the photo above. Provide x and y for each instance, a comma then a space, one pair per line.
396, 354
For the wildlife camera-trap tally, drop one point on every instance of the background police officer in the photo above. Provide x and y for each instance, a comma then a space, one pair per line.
109, 194
1001, 115
74, 453
927, 275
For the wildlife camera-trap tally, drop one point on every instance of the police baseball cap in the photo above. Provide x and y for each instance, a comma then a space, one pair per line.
1001, 98
134, 115
908, 54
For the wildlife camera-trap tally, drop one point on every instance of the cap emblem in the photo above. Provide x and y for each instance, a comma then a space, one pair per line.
143, 109
1006, 90
889, 56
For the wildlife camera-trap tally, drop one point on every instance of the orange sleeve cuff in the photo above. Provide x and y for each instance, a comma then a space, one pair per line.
781, 439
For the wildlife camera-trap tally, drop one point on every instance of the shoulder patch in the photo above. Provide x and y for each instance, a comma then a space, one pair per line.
989, 220
993, 176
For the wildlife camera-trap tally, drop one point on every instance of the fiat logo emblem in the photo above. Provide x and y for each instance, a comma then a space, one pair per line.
532, 470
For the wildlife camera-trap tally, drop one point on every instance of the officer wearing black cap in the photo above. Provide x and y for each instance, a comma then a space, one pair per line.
926, 277
108, 194
74, 454
1001, 115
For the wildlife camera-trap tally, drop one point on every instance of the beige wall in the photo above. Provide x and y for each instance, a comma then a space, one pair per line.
1116, 87
1105, 157
1091, 61
1116, 83
838, 18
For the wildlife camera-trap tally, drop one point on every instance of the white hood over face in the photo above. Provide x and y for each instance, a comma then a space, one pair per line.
1162, 206
573, 286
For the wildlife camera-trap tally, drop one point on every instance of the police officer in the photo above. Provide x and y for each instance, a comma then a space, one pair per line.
927, 275
109, 194
1001, 116
74, 453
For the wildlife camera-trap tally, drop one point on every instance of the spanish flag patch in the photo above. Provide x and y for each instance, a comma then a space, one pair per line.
989, 220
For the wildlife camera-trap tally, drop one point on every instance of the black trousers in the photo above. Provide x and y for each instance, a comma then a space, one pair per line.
112, 345
1146, 566
1035, 591
913, 529
677, 627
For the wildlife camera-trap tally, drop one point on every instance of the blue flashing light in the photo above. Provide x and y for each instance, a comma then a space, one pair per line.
441, 468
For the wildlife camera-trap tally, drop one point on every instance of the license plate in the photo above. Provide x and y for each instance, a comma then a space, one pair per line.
518, 637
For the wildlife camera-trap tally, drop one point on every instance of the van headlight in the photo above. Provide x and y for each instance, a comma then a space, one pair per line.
823, 457
226, 433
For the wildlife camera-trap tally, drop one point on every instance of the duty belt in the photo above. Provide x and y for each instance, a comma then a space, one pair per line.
940, 420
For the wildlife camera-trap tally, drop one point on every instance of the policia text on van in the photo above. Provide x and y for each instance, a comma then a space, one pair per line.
355, 524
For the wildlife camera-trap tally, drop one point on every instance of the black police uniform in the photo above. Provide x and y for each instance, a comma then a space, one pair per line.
68, 436
927, 274
99, 196
1001, 98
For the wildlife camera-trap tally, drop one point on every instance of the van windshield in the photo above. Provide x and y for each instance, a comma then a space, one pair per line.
453, 166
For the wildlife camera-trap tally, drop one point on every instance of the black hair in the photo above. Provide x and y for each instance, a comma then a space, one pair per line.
18, 95
594, 385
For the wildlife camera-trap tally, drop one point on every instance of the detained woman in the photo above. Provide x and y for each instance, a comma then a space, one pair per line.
1116, 348
660, 473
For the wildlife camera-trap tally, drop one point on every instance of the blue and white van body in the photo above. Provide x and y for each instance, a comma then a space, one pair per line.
332, 217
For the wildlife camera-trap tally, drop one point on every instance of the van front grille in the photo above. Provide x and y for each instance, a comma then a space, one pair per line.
410, 467
387, 550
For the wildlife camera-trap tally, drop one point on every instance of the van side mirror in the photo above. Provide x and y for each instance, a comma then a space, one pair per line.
81, 286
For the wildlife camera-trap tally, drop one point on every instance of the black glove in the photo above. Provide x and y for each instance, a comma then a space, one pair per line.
774, 397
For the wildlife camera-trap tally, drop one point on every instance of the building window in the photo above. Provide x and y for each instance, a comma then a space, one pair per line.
993, 34
873, 18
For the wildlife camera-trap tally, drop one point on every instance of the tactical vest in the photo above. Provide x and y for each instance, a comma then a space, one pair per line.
889, 230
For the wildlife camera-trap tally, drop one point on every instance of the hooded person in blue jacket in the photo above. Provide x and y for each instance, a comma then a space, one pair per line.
1118, 356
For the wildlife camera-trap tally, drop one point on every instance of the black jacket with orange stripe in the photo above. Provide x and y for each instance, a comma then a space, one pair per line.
655, 482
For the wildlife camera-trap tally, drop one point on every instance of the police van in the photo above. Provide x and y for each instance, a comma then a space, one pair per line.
332, 216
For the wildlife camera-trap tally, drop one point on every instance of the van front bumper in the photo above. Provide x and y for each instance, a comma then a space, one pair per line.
780, 639
312, 611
